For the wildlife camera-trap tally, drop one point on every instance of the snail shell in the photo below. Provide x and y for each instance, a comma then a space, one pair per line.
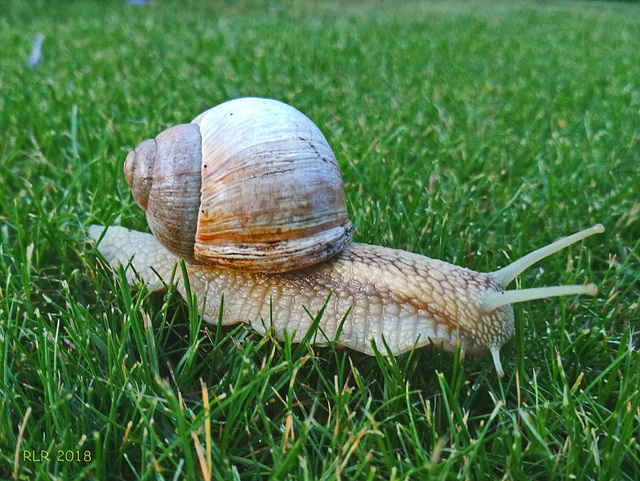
249, 185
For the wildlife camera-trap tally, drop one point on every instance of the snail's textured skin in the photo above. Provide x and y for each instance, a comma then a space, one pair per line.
407, 299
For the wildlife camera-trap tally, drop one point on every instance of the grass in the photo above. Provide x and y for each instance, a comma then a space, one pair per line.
471, 132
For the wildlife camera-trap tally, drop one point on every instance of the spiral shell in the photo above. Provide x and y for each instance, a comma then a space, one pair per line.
250, 185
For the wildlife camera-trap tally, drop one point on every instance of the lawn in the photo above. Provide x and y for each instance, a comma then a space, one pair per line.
472, 132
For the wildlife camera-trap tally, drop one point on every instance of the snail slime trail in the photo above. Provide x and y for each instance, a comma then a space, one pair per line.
250, 195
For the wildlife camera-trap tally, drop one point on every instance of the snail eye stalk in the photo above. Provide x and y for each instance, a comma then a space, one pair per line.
492, 300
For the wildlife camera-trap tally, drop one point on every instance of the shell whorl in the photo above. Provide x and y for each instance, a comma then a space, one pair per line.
251, 185
164, 176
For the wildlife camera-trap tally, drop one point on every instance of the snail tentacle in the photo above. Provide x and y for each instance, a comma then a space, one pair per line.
494, 299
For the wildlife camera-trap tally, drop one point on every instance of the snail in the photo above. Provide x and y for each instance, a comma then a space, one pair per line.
250, 195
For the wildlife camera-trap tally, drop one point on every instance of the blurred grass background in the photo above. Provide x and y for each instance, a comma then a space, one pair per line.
472, 132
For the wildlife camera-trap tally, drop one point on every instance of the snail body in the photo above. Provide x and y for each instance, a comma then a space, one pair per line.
370, 294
